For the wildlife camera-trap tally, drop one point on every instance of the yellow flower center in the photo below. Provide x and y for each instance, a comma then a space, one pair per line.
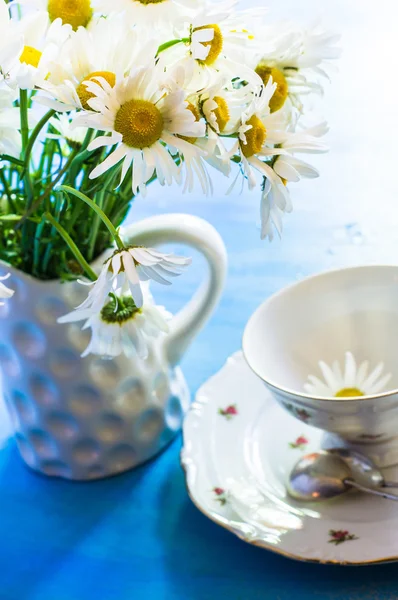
77, 13
221, 112
193, 109
216, 44
281, 92
30, 56
255, 137
349, 393
82, 91
140, 122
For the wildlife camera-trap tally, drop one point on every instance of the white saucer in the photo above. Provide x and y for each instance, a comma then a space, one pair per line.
239, 447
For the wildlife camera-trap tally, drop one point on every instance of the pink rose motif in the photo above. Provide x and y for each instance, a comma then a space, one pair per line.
339, 536
221, 495
300, 443
229, 412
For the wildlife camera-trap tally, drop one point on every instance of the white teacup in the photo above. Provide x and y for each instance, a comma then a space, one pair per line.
322, 318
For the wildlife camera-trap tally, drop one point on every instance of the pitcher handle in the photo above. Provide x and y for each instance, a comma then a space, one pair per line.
199, 234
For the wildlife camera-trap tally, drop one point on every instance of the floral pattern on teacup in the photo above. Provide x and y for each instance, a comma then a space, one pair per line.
339, 536
299, 413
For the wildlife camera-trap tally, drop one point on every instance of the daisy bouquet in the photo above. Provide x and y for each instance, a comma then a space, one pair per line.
100, 97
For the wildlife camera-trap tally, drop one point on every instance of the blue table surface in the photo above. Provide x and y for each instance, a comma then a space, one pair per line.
138, 536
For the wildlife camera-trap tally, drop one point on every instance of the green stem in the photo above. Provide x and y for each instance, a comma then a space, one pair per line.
72, 246
81, 157
35, 134
50, 187
112, 230
23, 108
101, 199
36, 246
7, 191
12, 159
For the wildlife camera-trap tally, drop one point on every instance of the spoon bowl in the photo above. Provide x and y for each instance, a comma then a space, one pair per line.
319, 476
325, 475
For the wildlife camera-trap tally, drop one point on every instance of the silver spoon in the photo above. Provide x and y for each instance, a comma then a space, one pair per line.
363, 470
323, 475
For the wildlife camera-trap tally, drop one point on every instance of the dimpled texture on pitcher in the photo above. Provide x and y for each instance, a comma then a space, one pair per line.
80, 418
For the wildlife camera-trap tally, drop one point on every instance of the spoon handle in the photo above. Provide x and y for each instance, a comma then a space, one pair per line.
390, 484
362, 488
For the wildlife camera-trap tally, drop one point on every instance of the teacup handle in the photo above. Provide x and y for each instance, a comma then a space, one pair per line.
199, 234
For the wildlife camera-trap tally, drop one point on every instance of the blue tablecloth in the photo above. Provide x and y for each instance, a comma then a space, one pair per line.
138, 536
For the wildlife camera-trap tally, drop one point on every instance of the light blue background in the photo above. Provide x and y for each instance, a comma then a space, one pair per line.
138, 537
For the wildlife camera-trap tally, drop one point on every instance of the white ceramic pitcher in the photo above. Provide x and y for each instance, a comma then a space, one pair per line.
88, 418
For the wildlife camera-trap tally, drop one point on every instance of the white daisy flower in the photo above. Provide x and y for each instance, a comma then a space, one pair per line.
106, 51
212, 150
297, 55
62, 123
223, 102
128, 268
318, 46
5, 292
259, 132
11, 45
352, 382
161, 14
10, 123
76, 13
42, 43
142, 117
122, 328
215, 40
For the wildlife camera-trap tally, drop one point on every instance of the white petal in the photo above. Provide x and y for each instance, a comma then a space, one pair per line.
350, 371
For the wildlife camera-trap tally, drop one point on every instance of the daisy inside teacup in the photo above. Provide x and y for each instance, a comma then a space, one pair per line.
352, 381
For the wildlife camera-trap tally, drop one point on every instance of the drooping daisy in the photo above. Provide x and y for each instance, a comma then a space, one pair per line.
107, 51
128, 267
142, 118
275, 198
11, 45
10, 138
42, 43
122, 328
352, 382
275, 202
5, 292
76, 13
